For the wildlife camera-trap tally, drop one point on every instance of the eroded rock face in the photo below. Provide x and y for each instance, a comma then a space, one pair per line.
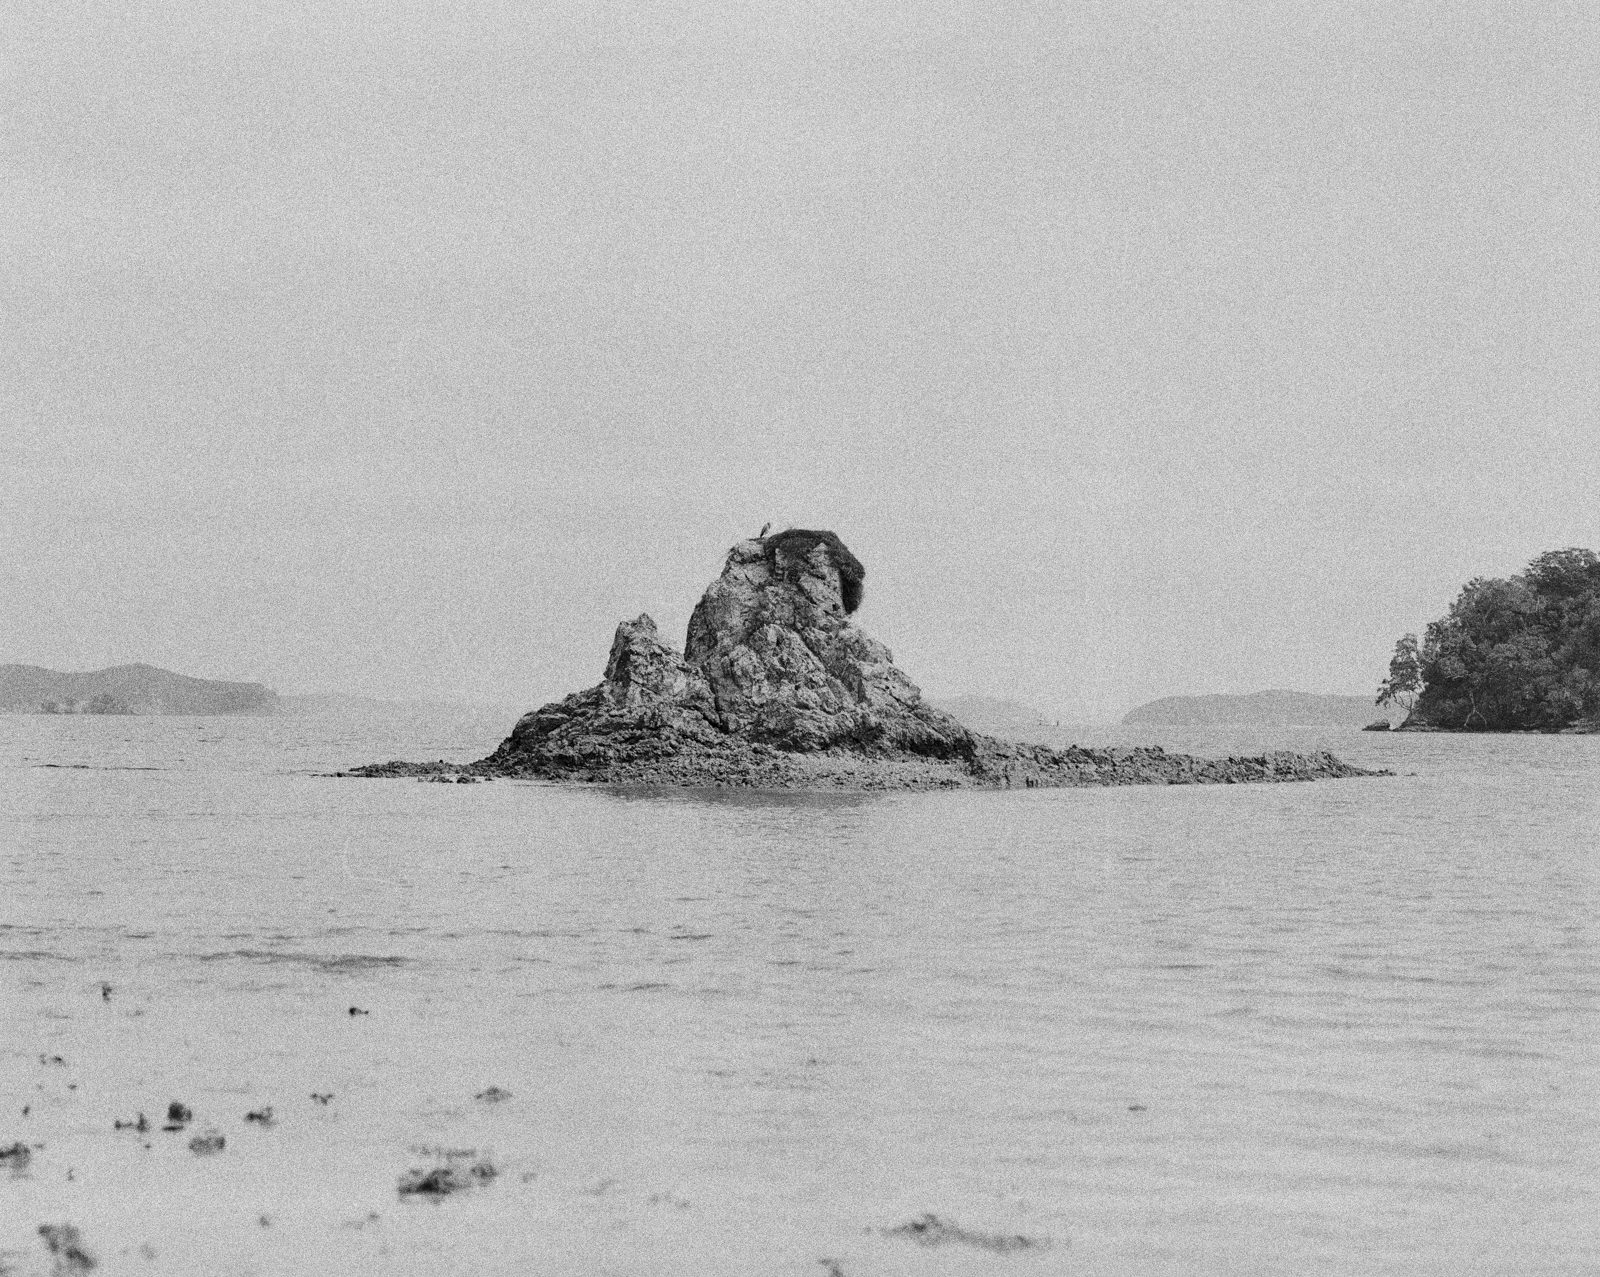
786, 667
642, 671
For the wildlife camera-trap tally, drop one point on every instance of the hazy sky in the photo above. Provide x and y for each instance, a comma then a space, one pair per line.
1136, 348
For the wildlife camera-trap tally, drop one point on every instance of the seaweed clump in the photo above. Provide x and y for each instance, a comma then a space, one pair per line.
797, 543
448, 1174
66, 1243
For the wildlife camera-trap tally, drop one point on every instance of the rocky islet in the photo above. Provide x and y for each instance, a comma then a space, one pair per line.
778, 688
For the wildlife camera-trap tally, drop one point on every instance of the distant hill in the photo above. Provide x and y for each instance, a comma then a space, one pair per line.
126, 689
1266, 709
992, 716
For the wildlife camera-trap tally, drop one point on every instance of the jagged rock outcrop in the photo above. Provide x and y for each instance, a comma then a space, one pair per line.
650, 705
772, 664
776, 687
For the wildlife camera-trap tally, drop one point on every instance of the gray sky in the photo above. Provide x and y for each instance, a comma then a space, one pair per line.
1136, 348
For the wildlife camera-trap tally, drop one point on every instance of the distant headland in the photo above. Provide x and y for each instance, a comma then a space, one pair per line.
126, 689
1275, 708
776, 688
1520, 654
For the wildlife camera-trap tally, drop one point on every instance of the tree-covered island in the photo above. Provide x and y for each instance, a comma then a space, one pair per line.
1510, 655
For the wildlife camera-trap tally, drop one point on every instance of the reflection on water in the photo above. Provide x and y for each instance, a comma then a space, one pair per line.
1340, 1027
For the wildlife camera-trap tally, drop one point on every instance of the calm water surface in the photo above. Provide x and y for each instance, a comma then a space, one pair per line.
1346, 1027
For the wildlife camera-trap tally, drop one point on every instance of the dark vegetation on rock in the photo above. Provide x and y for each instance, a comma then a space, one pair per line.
126, 689
788, 551
776, 688
1519, 654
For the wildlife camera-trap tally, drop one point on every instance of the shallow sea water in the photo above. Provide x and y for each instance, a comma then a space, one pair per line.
1346, 1027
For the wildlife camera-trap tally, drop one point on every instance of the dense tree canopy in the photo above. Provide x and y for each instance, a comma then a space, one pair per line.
1518, 653
796, 543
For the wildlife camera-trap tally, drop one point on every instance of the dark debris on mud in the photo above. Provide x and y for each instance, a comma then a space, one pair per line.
930, 1230
16, 1156
66, 1243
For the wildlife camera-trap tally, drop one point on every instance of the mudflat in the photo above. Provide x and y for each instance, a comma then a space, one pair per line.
1132, 1029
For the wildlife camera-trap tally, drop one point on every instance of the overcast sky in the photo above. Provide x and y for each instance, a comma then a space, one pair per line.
1136, 348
